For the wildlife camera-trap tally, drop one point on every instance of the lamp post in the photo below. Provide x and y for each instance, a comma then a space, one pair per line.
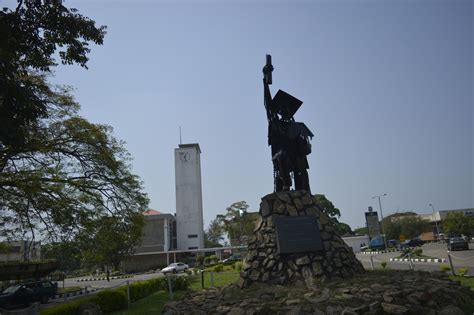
436, 222
381, 216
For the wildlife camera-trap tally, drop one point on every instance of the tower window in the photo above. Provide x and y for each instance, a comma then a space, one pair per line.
192, 236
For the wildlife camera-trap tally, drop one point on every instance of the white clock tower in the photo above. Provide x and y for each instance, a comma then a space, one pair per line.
189, 218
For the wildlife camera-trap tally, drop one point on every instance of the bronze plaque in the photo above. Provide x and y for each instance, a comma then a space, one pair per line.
297, 234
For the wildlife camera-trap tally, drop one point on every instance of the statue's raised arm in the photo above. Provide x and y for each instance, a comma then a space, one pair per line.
289, 140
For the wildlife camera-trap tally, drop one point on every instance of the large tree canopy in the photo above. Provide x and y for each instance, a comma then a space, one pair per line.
68, 174
237, 223
30, 36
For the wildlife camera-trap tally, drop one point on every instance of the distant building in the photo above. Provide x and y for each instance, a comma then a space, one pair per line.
435, 219
159, 237
159, 232
189, 216
20, 251
177, 236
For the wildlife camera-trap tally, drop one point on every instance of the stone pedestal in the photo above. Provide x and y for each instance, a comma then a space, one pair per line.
263, 262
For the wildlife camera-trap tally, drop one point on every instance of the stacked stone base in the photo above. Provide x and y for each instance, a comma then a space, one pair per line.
263, 262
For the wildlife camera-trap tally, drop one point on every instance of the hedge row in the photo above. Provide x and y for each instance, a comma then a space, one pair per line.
116, 299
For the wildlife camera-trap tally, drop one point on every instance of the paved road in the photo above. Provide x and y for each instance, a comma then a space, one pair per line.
461, 259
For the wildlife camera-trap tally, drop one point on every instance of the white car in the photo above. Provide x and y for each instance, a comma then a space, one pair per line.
175, 268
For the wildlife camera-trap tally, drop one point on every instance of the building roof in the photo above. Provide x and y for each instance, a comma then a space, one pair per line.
151, 212
191, 145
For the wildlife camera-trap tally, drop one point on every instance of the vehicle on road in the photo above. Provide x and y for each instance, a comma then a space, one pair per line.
175, 268
377, 243
232, 259
27, 293
415, 242
392, 243
457, 243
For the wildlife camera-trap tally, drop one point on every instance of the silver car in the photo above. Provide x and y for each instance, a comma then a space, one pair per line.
175, 268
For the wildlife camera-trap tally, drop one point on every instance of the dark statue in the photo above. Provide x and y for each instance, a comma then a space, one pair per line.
289, 140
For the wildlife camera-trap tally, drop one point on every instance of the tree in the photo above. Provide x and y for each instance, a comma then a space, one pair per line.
68, 175
30, 36
110, 239
214, 234
343, 229
334, 214
69, 254
326, 206
406, 224
361, 231
457, 223
237, 222
412, 227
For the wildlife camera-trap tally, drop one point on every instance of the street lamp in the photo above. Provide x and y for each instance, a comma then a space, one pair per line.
381, 216
436, 222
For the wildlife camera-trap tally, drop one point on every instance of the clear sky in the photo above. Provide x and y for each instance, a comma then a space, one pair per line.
387, 90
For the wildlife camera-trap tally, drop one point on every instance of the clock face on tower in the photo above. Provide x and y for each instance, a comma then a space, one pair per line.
185, 157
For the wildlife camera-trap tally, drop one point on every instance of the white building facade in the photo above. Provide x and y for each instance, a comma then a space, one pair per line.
189, 216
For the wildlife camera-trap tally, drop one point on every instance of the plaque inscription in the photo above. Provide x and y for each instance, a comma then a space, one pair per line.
297, 234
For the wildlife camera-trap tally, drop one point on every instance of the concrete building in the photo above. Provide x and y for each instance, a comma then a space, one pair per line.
159, 232
169, 237
20, 251
159, 238
189, 215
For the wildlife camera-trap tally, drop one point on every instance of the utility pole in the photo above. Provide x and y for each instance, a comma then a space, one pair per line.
436, 222
381, 216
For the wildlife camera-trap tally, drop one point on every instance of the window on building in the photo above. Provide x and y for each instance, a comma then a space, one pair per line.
193, 247
192, 236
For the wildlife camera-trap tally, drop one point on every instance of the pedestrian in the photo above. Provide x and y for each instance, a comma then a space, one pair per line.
108, 275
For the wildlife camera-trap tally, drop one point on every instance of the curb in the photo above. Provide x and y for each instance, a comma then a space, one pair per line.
380, 252
430, 260
75, 293
102, 278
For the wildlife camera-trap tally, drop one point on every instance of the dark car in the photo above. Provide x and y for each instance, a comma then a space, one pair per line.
26, 293
457, 243
415, 242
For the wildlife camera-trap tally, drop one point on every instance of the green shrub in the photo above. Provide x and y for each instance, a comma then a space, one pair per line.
462, 271
238, 266
112, 300
384, 264
68, 308
445, 268
207, 260
200, 259
214, 259
218, 268
418, 251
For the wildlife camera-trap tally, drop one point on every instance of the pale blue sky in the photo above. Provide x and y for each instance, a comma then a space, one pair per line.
387, 90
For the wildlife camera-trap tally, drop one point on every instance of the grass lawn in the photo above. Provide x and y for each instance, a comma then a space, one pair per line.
154, 303
220, 279
466, 281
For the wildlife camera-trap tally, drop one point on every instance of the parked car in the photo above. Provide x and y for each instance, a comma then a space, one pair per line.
392, 243
232, 259
25, 293
458, 243
414, 242
175, 268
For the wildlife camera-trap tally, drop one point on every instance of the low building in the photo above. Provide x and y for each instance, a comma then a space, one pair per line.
159, 238
20, 251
